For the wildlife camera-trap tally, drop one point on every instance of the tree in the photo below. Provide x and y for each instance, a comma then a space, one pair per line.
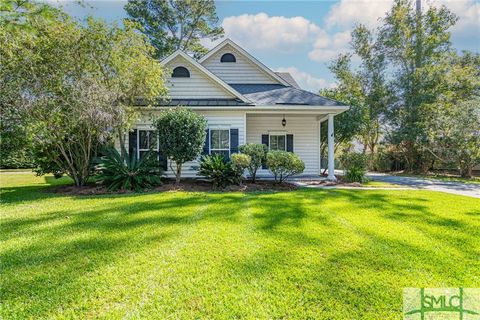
171, 25
75, 103
454, 124
182, 135
350, 123
373, 85
414, 43
16, 16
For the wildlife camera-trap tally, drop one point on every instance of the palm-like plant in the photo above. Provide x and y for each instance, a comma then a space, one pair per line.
129, 174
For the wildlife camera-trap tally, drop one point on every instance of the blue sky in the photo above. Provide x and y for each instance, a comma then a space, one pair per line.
300, 37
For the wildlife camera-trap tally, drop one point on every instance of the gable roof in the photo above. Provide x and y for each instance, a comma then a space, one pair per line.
252, 59
288, 77
206, 72
276, 94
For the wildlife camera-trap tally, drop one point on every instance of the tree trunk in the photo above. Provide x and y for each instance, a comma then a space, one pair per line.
178, 173
466, 172
121, 139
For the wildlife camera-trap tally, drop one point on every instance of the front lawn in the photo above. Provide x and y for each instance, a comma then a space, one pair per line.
318, 254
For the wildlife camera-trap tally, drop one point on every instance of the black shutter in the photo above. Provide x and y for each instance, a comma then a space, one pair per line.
163, 161
206, 144
233, 141
265, 141
132, 143
290, 142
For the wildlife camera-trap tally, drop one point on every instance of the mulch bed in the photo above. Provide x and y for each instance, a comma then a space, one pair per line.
339, 183
189, 185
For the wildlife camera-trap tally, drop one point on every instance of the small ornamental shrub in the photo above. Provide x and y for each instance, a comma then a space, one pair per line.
240, 162
217, 169
131, 174
284, 164
182, 135
258, 156
355, 166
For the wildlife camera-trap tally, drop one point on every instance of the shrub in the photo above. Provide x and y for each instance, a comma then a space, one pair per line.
217, 169
182, 135
131, 174
284, 164
258, 156
240, 162
355, 166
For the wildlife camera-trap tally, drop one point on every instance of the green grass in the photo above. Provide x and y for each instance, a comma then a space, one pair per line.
318, 254
380, 184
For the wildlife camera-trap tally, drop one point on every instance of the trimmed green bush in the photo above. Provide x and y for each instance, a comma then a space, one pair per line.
355, 166
258, 156
182, 135
216, 169
131, 174
284, 164
240, 162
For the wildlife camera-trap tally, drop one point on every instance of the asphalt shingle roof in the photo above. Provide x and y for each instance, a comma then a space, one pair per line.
277, 94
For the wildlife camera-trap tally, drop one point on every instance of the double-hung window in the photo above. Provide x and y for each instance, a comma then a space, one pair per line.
147, 140
278, 142
220, 142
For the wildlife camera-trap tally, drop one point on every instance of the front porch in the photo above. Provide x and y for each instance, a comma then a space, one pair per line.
295, 132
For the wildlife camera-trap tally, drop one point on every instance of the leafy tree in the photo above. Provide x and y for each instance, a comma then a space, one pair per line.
454, 124
258, 155
373, 85
365, 90
171, 25
73, 103
182, 135
348, 124
16, 16
414, 43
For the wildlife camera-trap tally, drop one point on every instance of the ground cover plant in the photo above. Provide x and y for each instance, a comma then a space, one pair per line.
319, 254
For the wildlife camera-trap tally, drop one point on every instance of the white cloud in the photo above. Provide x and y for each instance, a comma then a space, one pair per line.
468, 12
261, 31
346, 13
305, 80
327, 47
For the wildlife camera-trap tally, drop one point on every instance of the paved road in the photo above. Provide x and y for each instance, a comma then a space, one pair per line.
465, 189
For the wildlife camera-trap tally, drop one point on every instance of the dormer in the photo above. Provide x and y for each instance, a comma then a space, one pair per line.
234, 65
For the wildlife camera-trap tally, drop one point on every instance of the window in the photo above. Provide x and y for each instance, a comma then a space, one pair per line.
146, 140
278, 142
181, 72
220, 141
228, 57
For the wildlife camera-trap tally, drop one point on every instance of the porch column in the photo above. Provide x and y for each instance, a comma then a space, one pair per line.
331, 151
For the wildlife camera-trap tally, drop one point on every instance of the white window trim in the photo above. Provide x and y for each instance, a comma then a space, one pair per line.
210, 139
277, 134
138, 142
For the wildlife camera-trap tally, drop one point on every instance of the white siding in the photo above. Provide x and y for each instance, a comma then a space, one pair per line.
305, 136
198, 86
242, 71
233, 120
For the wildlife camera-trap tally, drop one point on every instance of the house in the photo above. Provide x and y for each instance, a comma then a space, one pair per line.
244, 102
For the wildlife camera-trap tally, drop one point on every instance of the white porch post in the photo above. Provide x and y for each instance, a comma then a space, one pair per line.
331, 156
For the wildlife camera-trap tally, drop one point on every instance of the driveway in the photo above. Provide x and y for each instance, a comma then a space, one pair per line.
464, 189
